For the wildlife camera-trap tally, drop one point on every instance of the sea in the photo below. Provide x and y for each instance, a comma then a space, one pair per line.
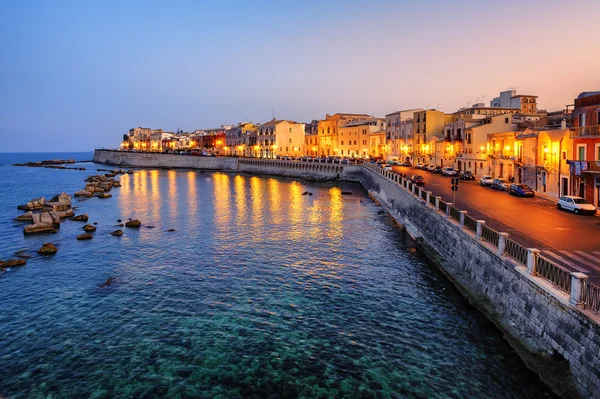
268, 287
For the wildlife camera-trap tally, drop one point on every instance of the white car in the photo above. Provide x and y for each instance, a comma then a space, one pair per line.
449, 172
576, 204
486, 180
387, 167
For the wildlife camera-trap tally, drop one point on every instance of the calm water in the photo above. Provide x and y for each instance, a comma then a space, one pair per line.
259, 291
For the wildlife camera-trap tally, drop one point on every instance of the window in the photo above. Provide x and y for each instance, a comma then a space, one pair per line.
290, 141
581, 119
364, 142
354, 142
342, 143
290, 130
597, 152
327, 130
286, 149
505, 120
581, 152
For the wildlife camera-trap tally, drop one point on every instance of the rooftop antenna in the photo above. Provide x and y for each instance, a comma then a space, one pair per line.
272, 114
438, 107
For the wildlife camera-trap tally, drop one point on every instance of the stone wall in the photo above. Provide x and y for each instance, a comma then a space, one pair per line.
559, 340
308, 170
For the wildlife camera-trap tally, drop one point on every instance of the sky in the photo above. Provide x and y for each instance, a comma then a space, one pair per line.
77, 75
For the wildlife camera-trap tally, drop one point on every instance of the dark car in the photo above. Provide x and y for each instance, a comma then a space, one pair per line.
438, 169
521, 190
407, 164
417, 179
466, 175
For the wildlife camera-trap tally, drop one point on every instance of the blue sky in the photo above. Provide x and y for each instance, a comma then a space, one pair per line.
78, 74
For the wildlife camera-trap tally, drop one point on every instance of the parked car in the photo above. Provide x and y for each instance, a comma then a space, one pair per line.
521, 190
406, 163
486, 180
430, 168
500, 184
419, 166
417, 179
449, 172
466, 175
576, 204
387, 167
393, 161
438, 169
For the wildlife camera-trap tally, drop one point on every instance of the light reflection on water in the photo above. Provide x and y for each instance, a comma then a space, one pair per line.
259, 291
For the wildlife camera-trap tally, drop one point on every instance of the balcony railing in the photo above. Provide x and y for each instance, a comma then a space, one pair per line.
585, 131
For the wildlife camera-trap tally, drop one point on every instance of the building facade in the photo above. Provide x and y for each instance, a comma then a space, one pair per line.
328, 131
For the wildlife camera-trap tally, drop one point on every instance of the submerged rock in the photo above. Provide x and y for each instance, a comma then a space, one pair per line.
149, 227
48, 249
12, 263
380, 212
108, 282
171, 230
88, 228
86, 236
24, 256
133, 223
116, 233
119, 220
36, 228
346, 193
80, 218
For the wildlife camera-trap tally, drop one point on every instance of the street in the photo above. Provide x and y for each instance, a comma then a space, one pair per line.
572, 241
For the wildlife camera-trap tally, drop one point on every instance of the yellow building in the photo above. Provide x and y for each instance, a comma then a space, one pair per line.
279, 138
328, 131
428, 127
362, 138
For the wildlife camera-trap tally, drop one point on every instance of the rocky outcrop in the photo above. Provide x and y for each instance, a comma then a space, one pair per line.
83, 193
48, 249
46, 163
86, 236
60, 202
116, 233
133, 223
69, 213
4, 264
37, 228
104, 195
50, 218
108, 282
88, 228
33, 205
26, 217
80, 218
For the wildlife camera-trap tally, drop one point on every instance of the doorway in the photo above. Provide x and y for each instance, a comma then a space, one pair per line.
581, 188
565, 186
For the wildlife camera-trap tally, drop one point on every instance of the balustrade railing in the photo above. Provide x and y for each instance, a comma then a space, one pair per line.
432, 200
423, 194
490, 235
515, 250
470, 223
443, 206
556, 275
591, 296
455, 214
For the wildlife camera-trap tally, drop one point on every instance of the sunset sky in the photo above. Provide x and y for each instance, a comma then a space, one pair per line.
77, 75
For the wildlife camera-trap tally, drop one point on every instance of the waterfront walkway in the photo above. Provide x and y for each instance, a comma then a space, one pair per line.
569, 240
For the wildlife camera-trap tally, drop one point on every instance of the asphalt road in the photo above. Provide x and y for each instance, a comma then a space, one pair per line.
572, 241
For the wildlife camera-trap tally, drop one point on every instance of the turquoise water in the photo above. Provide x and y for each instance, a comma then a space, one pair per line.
260, 292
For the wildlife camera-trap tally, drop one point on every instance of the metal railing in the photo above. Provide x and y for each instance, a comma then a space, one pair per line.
490, 235
556, 275
591, 296
455, 214
443, 206
585, 131
470, 223
515, 250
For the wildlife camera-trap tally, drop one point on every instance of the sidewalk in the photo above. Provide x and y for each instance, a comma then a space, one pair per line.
546, 196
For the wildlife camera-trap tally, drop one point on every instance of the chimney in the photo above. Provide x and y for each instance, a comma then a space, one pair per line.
563, 124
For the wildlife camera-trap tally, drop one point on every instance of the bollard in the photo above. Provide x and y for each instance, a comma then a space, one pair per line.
501, 244
437, 203
428, 198
532, 255
448, 206
479, 229
413, 188
462, 218
577, 280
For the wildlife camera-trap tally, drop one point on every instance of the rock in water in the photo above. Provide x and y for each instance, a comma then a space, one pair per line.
86, 236
104, 195
133, 223
48, 249
25, 217
69, 213
89, 228
12, 263
81, 218
380, 212
24, 256
171, 230
119, 220
149, 227
83, 193
305, 193
34, 204
38, 228
108, 282
117, 233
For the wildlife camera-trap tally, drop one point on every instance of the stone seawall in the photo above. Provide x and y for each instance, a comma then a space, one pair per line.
558, 340
307, 170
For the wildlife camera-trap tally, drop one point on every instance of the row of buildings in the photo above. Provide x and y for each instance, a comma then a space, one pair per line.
553, 152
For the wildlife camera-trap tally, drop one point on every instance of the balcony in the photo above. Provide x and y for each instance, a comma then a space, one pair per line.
586, 131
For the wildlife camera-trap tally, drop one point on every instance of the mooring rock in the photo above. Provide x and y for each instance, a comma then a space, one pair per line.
12, 263
83, 193
86, 236
89, 228
27, 216
38, 228
81, 218
34, 204
104, 195
116, 233
48, 249
133, 223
